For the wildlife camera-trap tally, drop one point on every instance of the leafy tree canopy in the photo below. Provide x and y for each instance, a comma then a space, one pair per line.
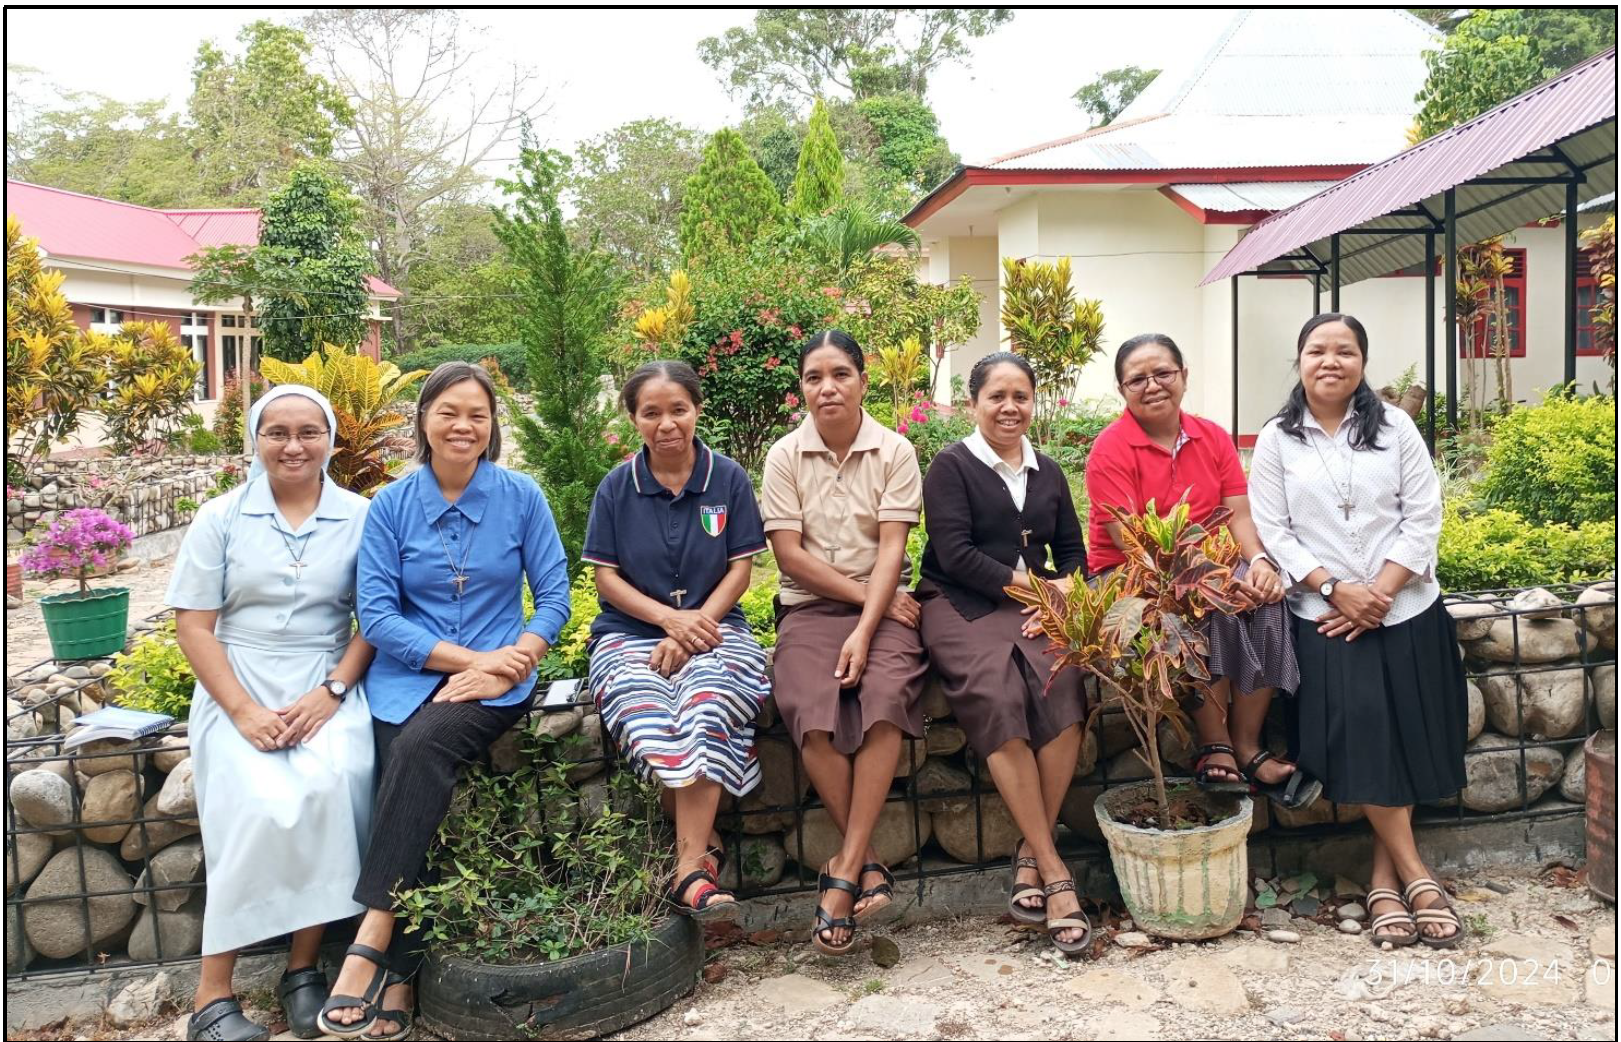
729, 201
310, 226
1487, 60
819, 180
1108, 95
803, 53
133, 153
628, 185
463, 285
1566, 35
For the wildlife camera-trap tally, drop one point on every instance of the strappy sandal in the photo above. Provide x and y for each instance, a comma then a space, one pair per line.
880, 896
301, 993
704, 908
367, 1004
1204, 772
1442, 914
402, 1019
223, 1021
1057, 926
825, 922
1018, 891
1388, 919
1296, 792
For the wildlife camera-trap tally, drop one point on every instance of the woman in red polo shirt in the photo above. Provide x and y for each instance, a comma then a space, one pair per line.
1157, 452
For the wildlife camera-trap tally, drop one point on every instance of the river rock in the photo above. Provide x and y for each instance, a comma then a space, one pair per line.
912, 756
893, 838
139, 1001
1472, 619
56, 927
1547, 641
1321, 812
1078, 813
761, 859
957, 831
153, 836
18, 953
945, 739
1602, 678
176, 864
1573, 783
174, 749
588, 755
1553, 702
26, 858
92, 758
171, 935
178, 797
1493, 776
1477, 710
781, 785
19, 727
938, 776
43, 799
557, 725
115, 797
1538, 604
1600, 616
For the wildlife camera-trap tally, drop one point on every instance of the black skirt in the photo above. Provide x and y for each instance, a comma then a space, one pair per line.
1383, 719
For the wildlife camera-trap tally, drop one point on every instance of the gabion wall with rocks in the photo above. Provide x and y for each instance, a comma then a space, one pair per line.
140, 494
1542, 665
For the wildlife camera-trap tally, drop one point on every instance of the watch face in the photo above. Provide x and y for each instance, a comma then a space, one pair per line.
337, 687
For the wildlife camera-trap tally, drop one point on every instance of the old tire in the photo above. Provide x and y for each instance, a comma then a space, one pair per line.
585, 996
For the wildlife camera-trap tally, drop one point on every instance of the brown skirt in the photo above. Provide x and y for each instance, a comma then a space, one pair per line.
999, 682
809, 698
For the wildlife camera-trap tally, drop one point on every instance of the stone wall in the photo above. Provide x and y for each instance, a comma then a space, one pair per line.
69, 812
140, 494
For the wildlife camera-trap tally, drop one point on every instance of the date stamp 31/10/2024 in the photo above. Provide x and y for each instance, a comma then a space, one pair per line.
1451, 972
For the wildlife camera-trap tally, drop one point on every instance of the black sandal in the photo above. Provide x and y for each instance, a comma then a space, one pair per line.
1068, 922
366, 1004
706, 909
1296, 792
825, 922
1204, 771
881, 895
1018, 891
223, 1021
402, 1019
302, 992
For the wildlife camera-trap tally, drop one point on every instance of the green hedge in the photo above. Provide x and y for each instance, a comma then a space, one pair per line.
1496, 548
1554, 462
513, 358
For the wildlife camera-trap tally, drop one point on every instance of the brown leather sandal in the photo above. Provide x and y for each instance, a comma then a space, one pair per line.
1442, 914
1383, 922
1018, 891
825, 923
1057, 926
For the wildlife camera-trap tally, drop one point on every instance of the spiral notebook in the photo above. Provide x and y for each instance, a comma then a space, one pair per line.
116, 723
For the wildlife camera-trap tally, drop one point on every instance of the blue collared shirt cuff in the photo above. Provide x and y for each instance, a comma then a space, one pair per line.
547, 624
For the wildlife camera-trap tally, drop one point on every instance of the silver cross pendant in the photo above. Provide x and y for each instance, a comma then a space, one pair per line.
677, 595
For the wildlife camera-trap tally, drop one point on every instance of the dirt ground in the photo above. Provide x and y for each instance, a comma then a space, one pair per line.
1538, 963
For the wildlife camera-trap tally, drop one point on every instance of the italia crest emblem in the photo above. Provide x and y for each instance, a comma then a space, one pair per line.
713, 518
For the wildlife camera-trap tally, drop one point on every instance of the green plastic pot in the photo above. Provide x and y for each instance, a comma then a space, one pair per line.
86, 625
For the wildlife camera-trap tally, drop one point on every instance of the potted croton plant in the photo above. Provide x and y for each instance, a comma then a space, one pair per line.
85, 623
1179, 854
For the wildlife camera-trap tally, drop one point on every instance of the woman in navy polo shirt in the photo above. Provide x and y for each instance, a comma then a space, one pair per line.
675, 671
1156, 451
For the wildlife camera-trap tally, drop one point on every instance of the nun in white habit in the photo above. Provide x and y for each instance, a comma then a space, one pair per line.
281, 736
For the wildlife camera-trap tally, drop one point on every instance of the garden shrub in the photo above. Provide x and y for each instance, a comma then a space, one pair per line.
1555, 461
228, 417
152, 376
153, 675
1074, 431
532, 871
759, 607
937, 430
512, 358
1497, 549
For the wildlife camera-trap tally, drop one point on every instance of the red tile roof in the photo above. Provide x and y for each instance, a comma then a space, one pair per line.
68, 224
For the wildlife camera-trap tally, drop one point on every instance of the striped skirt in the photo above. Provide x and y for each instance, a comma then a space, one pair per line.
695, 724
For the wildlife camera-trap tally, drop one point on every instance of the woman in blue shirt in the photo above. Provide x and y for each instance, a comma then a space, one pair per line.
677, 674
440, 598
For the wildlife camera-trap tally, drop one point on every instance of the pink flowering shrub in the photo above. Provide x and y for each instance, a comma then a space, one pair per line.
76, 545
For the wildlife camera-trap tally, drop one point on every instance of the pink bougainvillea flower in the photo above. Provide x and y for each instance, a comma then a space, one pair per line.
796, 417
611, 438
918, 415
1063, 403
902, 428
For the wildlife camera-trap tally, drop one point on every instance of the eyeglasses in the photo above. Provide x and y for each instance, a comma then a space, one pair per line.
1163, 377
307, 436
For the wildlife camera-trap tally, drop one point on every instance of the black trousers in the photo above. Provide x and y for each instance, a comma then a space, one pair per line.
417, 764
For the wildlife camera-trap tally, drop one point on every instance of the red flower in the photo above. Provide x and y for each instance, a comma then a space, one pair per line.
796, 332
772, 362
791, 400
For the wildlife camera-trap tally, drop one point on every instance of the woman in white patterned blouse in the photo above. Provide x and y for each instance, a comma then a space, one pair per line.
1346, 498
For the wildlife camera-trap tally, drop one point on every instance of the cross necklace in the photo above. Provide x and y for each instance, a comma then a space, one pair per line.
299, 564
1345, 504
458, 576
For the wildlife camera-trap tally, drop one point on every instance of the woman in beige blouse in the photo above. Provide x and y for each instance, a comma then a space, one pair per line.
839, 495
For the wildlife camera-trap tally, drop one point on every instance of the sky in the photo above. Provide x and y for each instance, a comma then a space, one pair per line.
603, 68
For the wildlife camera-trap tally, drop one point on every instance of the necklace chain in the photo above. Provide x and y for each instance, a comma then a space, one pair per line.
1350, 476
457, 575
298, 564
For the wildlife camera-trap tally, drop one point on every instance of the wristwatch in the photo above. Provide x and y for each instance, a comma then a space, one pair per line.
1263, 557
1327, 589
336, 687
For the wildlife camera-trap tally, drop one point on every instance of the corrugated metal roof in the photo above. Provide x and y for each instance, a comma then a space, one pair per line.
1279, 87
1603, 204
1249, 195
1574, 111
68, 224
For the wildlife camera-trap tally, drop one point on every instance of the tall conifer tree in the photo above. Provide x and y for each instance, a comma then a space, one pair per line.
729, 202
819, 184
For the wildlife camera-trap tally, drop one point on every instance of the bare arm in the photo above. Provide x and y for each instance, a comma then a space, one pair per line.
819, 577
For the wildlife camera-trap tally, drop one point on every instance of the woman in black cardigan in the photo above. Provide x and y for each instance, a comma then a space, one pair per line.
993, 508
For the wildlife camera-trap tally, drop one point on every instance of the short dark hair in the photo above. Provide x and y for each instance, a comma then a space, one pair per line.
833, 338
442, 379
673, 370
982, 371
1143, 340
